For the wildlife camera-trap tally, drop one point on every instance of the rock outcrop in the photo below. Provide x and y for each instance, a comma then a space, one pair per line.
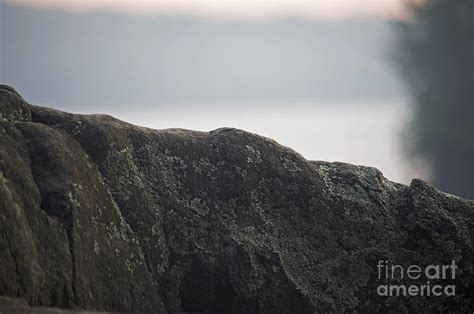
99, 214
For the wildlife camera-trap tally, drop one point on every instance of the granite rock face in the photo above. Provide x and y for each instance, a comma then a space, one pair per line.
99, 214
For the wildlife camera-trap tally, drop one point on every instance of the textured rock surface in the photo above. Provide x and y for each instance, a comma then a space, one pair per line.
99, 214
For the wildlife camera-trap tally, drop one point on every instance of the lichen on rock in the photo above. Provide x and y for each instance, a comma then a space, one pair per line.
99, 214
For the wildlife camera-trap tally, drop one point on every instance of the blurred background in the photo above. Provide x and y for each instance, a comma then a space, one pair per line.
385, 83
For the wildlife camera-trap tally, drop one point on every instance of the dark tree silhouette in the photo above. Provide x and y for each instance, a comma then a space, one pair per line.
437, 58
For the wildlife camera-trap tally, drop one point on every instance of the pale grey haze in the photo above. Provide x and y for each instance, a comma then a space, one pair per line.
99, 58
325, 88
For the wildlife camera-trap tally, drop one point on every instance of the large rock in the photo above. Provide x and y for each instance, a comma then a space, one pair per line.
99, 214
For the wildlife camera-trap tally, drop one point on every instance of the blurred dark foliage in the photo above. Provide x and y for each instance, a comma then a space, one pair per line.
437, 58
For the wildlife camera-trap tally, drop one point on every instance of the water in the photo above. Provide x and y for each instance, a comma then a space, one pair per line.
369, 133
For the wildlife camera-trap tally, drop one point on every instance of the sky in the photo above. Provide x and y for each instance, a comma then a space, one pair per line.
229, 9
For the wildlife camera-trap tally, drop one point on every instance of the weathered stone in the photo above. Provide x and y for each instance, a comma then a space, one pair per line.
99, 214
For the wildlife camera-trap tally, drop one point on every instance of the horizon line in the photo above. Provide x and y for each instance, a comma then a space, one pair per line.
228, 10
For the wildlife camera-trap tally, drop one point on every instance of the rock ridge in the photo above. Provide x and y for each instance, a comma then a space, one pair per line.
99, 214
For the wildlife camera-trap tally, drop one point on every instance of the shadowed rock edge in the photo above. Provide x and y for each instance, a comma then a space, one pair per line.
99, 214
